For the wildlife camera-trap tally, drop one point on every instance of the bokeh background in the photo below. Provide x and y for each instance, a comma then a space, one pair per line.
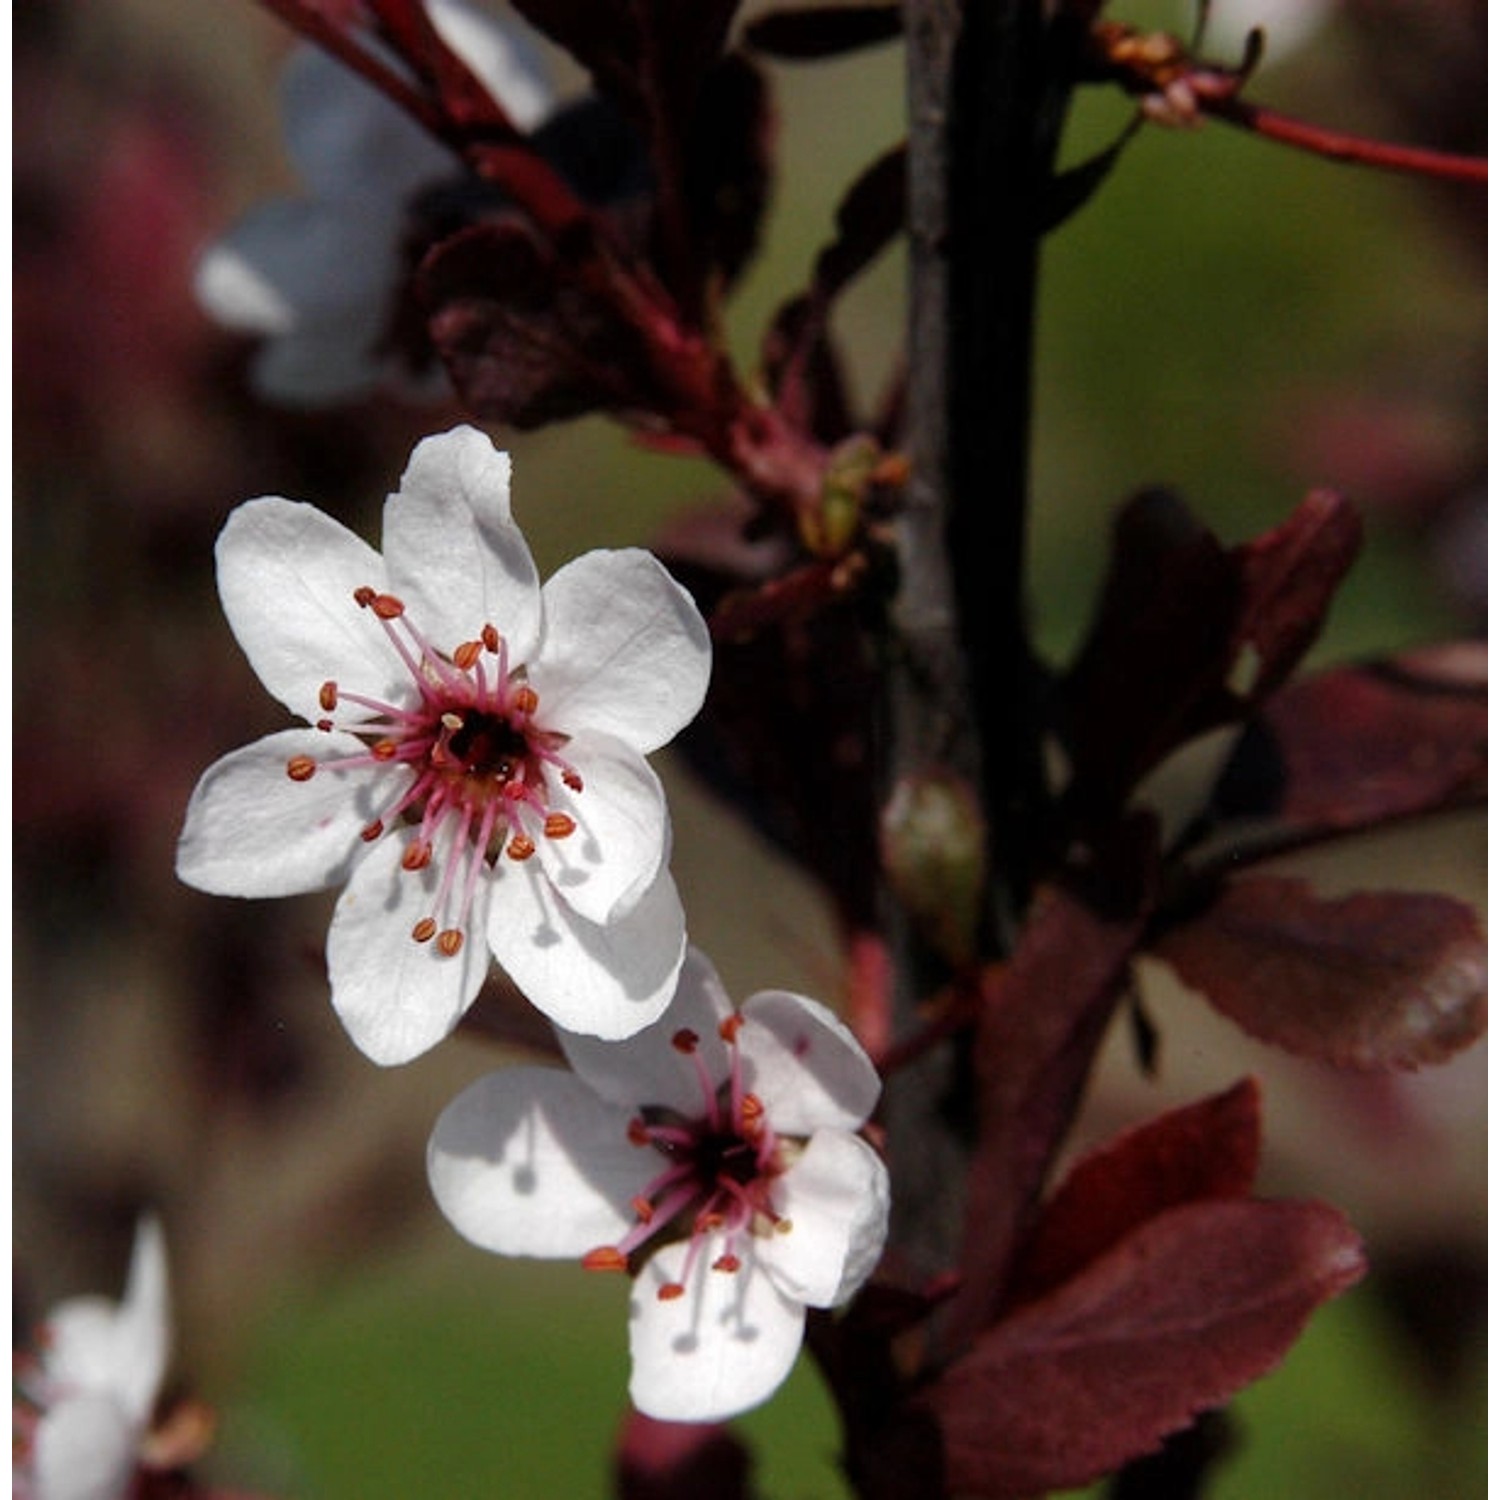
1227, 317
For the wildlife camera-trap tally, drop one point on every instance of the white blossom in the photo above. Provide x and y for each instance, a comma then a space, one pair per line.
84, 1406
474, 769
714, 1155
318, 275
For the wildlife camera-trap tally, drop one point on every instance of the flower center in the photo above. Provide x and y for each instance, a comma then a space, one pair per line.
473, 762
719, 1173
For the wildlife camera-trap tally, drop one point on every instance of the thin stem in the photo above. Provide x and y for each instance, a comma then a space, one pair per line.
1341, 147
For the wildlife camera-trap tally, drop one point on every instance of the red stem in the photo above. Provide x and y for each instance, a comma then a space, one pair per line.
334, 40
1340, 147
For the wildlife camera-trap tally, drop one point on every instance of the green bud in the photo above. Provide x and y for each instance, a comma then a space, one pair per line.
932, 838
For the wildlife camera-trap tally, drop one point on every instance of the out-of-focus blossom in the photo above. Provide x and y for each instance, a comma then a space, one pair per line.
84, 1405
319, 276
714, 1155
1286, 25
475, 763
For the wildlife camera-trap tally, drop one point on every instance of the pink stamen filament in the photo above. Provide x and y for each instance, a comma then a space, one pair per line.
719, 1168
478, 797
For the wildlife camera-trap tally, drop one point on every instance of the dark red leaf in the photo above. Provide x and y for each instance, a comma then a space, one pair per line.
1362, 745
816, 31
1174, 1319
651, 56
1289, 578
796, 353
523, 340
1378, 980
1210, 1149
680, 1461
1158, 645
727, 168
1189, 636
785, 732
1041, 1021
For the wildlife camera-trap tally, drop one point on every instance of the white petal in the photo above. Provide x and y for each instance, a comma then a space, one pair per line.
344, 136
836, 1198
235, 289
455, 555
604, 981
291, 261
613, 855
646, 1068
85, 1450
287, 576
324, 362
503, 57
143, 1329
251, 830
398, 997
805, 1064
625, 649
529, 1161
721, 1348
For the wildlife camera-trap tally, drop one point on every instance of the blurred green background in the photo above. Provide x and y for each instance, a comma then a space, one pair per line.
1226, 316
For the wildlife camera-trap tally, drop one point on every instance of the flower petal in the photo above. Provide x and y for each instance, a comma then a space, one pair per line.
805, 1064
503, 58
455, 555
625, 648
836, 1198
616, 849
251, 830
722, 1347
292, 261
287, 575
344, 136
143, 1329
646, 1068
529, 1161
85, 1450
398, 997
604, 981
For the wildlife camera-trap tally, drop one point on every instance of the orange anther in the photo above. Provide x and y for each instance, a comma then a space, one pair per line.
727, 1262
372, 831
636, 1132
605, 1258
685, 1040
364, 596
326, 725
526, 700
467, 655
384, 749
670, 1291
573, 781
450, 940
328, 696
558, 825
729, 1028
387, 606
643, 1208
752, 1111
417, 855
491, 638
520, 847
424, 930
301, 767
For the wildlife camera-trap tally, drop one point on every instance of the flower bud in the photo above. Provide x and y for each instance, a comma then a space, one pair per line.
932, 840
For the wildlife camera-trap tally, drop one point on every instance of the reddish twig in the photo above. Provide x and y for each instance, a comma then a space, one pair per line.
1338, 146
